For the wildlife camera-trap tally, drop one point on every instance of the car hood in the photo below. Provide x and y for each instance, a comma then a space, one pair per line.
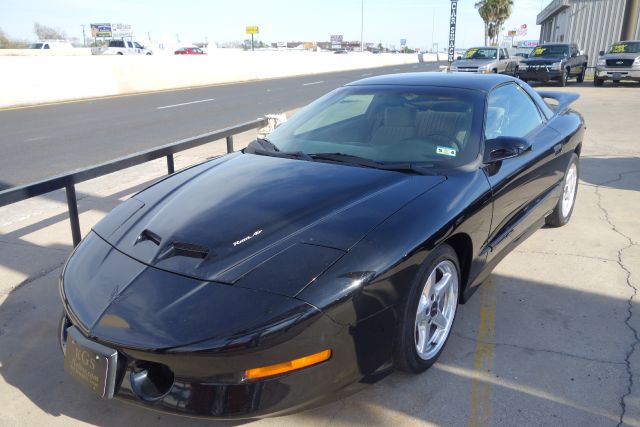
620, 56
223, 219
472, 62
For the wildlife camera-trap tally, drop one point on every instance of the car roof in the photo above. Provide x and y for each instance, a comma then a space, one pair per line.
458, 80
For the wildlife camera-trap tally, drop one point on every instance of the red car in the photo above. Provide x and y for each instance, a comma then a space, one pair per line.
190, 51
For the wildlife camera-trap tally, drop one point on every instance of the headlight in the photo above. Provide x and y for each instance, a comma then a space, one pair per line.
483, 69
637, 61
556, 66
602, 62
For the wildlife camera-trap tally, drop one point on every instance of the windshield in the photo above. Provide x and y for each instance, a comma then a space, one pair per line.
424, 126
625, 47
480, 53
36, 46
553, 51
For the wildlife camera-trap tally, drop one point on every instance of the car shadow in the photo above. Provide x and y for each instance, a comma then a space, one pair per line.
473, 366
621, 173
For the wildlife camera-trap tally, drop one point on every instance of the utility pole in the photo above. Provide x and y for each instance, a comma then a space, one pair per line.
84, 39
361, 25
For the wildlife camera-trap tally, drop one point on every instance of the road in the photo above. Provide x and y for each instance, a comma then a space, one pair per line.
47, 140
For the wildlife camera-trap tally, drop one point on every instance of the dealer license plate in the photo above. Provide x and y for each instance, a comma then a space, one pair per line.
91, 364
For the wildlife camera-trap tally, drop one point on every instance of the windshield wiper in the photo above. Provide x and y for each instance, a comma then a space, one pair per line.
264, 147
363, 161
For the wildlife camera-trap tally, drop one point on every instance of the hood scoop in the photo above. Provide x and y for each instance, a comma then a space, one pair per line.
184, 249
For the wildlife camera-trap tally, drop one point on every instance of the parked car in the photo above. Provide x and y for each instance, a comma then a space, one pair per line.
486, 60
190, 51
121, 47
273, 278
554, 62
51, 44
621, 62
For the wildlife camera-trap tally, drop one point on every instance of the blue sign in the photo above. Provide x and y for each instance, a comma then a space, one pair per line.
403, 42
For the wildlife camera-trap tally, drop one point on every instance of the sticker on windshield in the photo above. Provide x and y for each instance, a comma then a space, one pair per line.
538, 51
469, 54
446, 151
618, 48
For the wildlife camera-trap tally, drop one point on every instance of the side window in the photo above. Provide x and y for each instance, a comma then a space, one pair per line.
137, 45
46, 46
511, 112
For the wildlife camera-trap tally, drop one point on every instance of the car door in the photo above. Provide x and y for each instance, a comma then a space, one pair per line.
502, 64
524, 187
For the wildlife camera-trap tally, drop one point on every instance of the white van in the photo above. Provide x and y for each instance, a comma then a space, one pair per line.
51, 44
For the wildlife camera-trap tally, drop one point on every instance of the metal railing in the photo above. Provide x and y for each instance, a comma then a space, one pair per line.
68, 180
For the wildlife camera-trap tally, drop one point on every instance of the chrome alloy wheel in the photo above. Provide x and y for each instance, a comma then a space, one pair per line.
569, 191
436, 310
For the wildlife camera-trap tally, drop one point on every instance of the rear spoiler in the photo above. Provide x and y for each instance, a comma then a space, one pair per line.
562, 100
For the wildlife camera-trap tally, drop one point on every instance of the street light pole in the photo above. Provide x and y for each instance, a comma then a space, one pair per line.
361, 25
84, 39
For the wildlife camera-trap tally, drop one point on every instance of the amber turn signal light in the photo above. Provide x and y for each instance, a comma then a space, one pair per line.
292, 365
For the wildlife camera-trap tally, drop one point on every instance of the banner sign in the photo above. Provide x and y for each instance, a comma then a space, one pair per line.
522, 31
527, 43
452, 30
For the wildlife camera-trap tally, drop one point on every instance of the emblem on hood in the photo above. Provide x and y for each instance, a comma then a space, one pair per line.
249, 237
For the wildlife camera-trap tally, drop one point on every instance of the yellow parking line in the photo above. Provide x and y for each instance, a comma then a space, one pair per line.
483, 362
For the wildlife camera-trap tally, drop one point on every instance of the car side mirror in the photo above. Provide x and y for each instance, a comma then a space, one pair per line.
601, 53
581, 52
504, 147
458, 58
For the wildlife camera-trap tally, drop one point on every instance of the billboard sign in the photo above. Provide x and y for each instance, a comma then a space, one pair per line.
99, 31
403, 42
107, 31
121, 30
452, 30
336, 38
252, 29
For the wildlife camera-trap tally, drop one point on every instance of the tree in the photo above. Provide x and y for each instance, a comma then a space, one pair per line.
45, 32
494, 13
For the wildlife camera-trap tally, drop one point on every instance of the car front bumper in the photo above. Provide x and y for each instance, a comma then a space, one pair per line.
539, 74
206, 384
605, 73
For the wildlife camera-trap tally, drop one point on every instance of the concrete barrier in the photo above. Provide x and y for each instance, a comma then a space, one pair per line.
32, 80
78, 51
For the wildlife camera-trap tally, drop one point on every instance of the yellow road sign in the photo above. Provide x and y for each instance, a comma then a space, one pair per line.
252, 30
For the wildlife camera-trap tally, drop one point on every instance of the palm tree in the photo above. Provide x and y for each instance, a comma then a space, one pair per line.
494, 13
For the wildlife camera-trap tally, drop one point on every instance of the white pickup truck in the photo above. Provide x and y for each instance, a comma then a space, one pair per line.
121, 47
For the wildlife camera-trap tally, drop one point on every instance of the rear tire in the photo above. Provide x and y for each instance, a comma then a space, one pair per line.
428, 311
564, 208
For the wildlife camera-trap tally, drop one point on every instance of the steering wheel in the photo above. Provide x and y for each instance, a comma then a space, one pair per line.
444, 137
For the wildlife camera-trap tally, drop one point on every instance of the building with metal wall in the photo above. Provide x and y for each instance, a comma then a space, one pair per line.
593, 24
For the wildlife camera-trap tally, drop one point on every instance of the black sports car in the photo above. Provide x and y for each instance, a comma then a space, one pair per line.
275, 278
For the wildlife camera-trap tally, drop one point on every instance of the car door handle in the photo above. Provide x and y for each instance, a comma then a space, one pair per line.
557, 148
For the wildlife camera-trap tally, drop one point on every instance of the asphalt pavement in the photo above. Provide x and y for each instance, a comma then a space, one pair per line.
43, 141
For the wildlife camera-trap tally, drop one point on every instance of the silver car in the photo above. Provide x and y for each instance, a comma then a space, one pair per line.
621, 62
486, 60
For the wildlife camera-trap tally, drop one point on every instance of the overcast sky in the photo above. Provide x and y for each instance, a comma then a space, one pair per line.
421, 22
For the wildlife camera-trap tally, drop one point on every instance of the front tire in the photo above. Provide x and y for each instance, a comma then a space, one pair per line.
564, 80
580, 78
598, 82
428, 311
564, 208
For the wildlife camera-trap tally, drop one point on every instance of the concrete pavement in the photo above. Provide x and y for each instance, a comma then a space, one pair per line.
550, 339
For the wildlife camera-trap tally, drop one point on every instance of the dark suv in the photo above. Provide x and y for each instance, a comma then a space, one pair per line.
554, 62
